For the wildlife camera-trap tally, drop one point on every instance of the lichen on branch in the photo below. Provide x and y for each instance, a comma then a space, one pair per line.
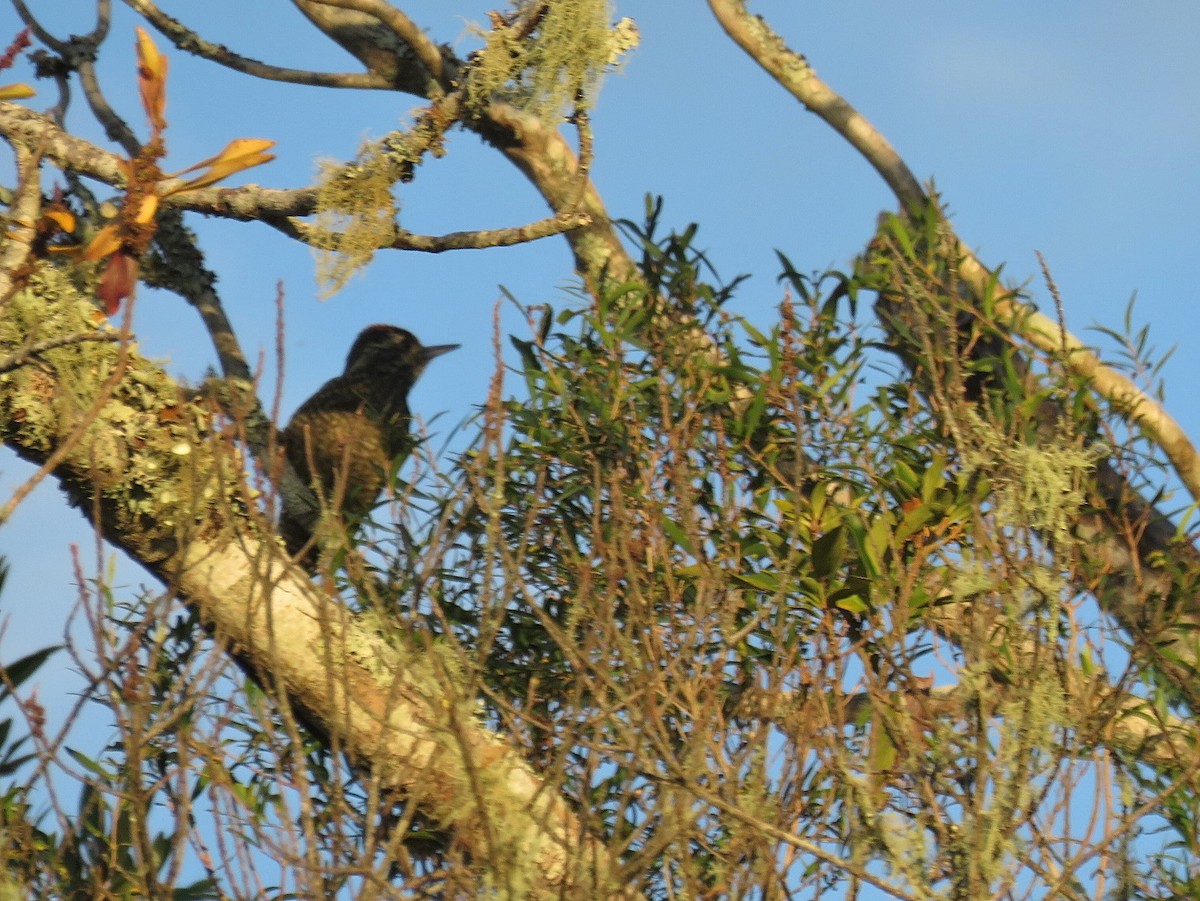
356, 213
548, 56
125, 444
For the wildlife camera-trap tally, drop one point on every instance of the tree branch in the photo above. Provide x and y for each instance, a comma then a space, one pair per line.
21, 222
26, 354
34, 130
461, 240
543, 155
405, 30
191, 42
792, 71
1128, 556
539, 151
376, 45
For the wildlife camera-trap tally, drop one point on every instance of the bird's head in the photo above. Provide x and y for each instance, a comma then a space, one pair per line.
388, 348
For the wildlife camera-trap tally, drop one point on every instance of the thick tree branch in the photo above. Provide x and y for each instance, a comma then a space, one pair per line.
543, 155
377, 45
1128, 556
792, 71
405, 31
192, 525
34, 130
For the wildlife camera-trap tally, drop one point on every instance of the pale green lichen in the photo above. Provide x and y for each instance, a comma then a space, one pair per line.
356, 214
1039, 485
118, 440
552, 65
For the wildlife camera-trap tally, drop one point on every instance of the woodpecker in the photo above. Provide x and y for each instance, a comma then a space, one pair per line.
342, 442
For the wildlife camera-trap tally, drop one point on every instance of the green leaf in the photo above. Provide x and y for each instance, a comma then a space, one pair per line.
17, 672
677, 535
88, 764
1086, 664
914, 520
829, 552
933, 478
529, 359
853, 603
879, 539
761, 581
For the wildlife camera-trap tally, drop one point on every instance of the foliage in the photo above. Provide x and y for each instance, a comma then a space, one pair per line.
751, 609
766, 628
716, 592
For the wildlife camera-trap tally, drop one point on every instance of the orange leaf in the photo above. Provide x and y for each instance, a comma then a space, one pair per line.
239, 154
16, 92
64, 219
152, 80
107, 241
147, 210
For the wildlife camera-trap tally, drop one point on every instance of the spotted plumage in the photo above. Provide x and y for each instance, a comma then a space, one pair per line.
343, 440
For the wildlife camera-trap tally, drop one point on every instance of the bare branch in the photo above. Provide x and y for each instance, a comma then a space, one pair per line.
34, 25
793, 72
543, 155
494, 237
462, 240
376, 45
191, 42
405, 29
115, 127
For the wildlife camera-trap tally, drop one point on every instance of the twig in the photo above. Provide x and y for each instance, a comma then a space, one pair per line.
802, 844
189, 41
462, 240
115, 127
587, 150
9, 363
36, 27
1052, 287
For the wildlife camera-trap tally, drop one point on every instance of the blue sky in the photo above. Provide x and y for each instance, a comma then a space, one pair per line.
1069, 128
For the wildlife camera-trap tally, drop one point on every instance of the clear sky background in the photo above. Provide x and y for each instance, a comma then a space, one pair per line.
1069, 128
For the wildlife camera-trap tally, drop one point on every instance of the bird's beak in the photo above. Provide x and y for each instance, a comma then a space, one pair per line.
438, 349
